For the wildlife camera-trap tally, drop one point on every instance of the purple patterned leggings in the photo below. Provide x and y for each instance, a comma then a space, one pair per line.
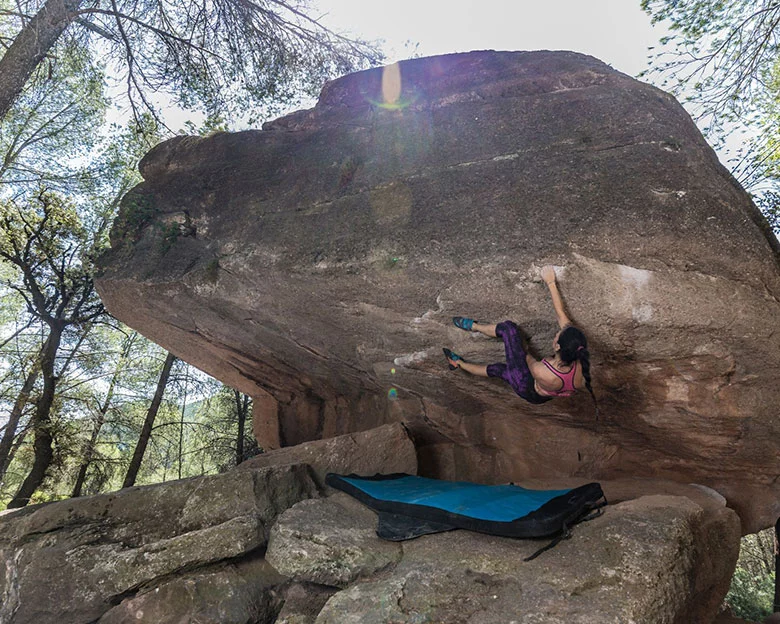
515, 372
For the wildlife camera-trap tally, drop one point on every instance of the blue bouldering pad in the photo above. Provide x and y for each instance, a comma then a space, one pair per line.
410, 506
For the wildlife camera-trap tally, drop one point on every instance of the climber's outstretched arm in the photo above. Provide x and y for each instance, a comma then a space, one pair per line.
548, 275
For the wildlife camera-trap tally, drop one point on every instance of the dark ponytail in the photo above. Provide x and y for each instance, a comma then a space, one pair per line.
584, 357
574, 346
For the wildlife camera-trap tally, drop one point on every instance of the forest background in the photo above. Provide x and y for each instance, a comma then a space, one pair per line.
88, 405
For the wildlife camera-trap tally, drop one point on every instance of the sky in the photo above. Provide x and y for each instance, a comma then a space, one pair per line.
616, 31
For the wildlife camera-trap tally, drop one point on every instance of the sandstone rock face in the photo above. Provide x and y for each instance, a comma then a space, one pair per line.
659, 559
73, 560
185, 551
316, 265
329, 542
226, 594
303, 602
384, 450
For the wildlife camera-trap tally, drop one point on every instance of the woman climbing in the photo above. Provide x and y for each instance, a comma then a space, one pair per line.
561, 375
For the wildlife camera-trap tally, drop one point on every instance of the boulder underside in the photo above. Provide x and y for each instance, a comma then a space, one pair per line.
316, 265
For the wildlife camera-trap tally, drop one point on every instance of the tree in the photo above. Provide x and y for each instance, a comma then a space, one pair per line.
242, 410
44, 240
752, 586
722, 52
54, 124
218, 55
146, 430
71, 416
20, 361
722, 57
30, 47
90, 448
15, 415
213, 428
42, 136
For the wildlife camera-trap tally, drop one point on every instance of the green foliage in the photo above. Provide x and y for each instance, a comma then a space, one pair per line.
51, 130
753, 585
211, 270
769, 203
749, 597
206, 429
722, 59
43, 239
225, 58
170, 232
136, 211
212, 125
195, 432
48, 224
722, 51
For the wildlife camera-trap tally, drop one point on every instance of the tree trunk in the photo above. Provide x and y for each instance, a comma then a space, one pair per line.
13, 420
181, 424
776, 606
87, 460
41, 421
17, 443
89, 452
241, 410
30, 47
146, 431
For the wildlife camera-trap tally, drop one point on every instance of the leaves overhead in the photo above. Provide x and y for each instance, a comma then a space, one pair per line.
723, 53
221, 57
54, 123
723, 58
46, 243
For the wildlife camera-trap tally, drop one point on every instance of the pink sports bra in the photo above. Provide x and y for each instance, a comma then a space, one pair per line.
567, 378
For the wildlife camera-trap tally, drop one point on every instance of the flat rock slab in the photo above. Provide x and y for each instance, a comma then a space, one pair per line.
72, 560
383, 450
319, 262
660, 559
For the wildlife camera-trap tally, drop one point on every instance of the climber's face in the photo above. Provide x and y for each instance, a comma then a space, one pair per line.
556, 346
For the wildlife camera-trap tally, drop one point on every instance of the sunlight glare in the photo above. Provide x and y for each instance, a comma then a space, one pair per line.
391, 84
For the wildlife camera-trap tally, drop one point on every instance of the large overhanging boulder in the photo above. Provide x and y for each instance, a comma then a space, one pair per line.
316, 264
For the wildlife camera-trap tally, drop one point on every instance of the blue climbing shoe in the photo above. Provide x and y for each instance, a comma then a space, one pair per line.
463, 323
452, 356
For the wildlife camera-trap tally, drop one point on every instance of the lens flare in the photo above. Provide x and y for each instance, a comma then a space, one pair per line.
392, 371
392, 393
391, 84
391, 90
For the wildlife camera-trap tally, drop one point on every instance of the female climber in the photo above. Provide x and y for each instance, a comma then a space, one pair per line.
561, 375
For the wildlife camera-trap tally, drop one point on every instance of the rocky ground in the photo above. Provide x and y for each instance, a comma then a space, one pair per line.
265, 543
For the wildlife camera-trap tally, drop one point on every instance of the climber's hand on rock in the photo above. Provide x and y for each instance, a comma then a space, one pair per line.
548, 274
